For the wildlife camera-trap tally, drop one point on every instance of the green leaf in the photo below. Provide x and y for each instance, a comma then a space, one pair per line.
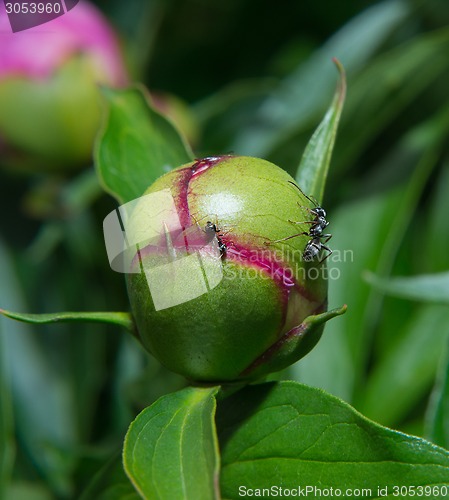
312, 171
136, 145
425, 287
171, 449
399, 220
293, 435
437, 418
401, 75
115, 318
438, 229
7, 448
43, 400
404, 374
111, 483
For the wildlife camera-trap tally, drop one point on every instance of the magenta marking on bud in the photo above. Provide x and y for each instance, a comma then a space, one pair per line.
189, 240
182, 202
203, 164
277, 272
189, 235
283, 275
183, 182
251, 258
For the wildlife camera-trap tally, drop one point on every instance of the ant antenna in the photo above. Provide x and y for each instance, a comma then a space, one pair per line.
310, 198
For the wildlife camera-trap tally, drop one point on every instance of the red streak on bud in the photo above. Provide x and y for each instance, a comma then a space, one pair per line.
189, 235
246, 255
182, 204
183, 183
203, 164
281, 274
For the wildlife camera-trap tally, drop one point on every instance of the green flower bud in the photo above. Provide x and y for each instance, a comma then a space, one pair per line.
217, 290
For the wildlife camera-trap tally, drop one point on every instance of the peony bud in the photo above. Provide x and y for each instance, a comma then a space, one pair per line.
49, 99
217, 290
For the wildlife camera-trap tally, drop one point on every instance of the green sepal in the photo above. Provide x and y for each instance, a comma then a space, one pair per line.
292, 346
314, 166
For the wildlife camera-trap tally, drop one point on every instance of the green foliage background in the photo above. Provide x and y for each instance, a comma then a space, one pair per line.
258, 78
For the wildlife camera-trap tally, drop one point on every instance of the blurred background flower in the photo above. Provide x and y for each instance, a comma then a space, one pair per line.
49, 95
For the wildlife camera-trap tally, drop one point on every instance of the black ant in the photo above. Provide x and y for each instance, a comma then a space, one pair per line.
318, 225
314, 247
211, 228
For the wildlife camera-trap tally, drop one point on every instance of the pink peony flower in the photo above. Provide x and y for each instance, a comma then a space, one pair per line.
50, 104
38, 51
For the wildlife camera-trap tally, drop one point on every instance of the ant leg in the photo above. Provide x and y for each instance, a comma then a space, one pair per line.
327, 236
194, 218
287, 238
302, 221
197, 222
310, 210
328, 255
